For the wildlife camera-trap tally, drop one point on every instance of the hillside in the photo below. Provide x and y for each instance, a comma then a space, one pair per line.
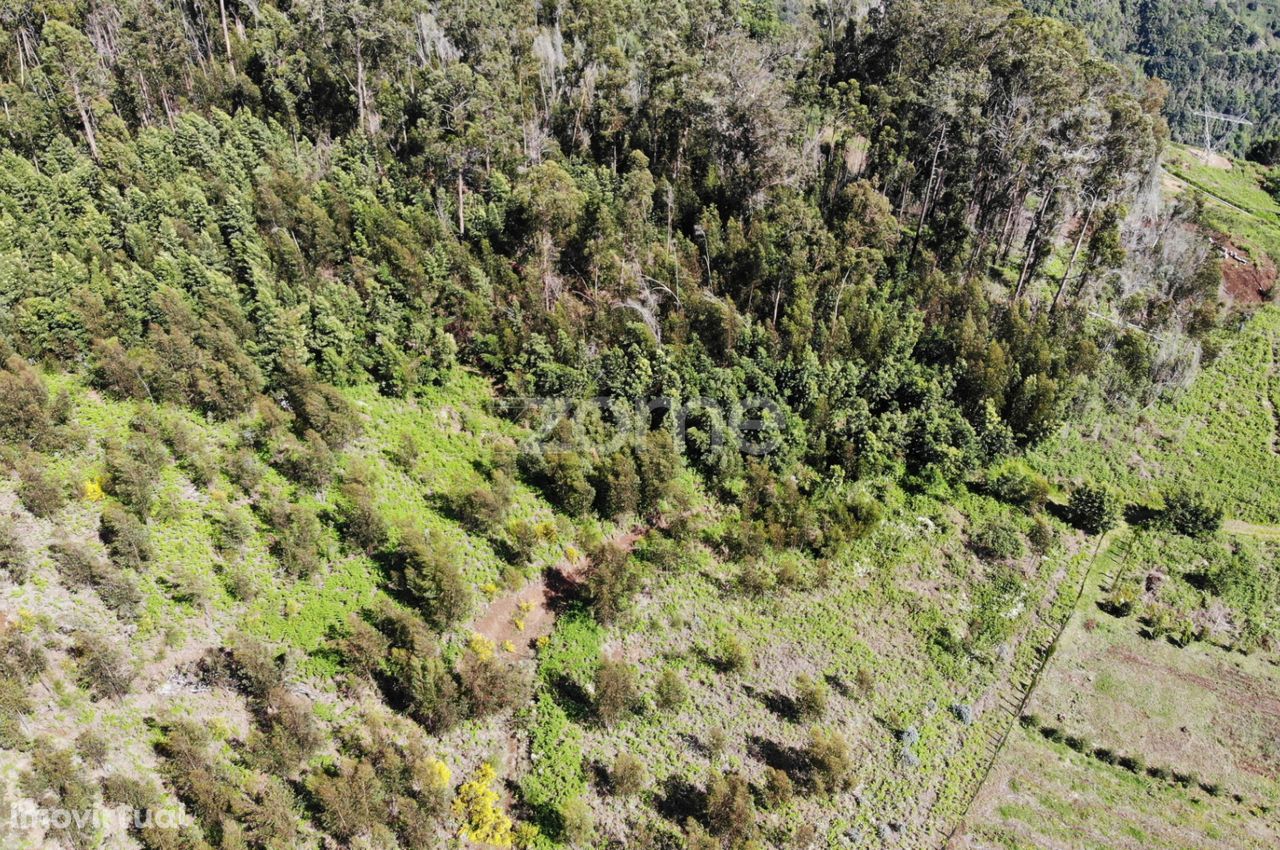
602, 423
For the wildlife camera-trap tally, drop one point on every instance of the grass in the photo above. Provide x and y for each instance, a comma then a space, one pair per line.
1250, 215
1219, 437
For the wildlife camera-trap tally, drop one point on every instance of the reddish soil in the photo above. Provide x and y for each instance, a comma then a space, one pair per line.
1244, 282
535, 603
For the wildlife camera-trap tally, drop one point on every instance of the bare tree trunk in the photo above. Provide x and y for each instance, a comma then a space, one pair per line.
86, 120
462, 225
1075, 250
226, 34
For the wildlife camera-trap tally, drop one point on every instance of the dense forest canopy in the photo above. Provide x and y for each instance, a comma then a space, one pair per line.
699, 200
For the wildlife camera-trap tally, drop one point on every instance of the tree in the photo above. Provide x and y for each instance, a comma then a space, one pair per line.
1093, 509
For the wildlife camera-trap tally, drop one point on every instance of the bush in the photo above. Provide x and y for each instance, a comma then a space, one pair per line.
628, 776
40, 492
484, 509
429, 575
616, 690
298, 537
14, 560
103, 667
1015, 483
309, 461
132, 473
491, 685
730, 654
778, 788
125, 536
998, 539
731, 812
361, 522
612, 579
670, 692
1188, 513
24, 403
1093, 509
829, 760
811, 698
1041, 536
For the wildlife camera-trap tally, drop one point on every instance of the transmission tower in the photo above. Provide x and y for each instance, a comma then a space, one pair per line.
1211, 120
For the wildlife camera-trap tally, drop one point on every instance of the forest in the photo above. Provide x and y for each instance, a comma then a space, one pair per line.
329, 328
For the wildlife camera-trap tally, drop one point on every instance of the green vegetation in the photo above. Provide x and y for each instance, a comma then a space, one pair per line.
593, 423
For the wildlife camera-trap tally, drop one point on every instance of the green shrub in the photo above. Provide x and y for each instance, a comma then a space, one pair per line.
1190, 514
612, 579
14, 560
126, 537
731, 654
1015, 483
616, 690
811, 698
24, 403
102, 667
998, 539
429, 575
361, 523
778, 788
40, 491
628, 776
731, 811
829, 760
491, 685
670, 692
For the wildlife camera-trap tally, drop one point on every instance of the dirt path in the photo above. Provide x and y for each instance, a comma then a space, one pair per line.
522, 616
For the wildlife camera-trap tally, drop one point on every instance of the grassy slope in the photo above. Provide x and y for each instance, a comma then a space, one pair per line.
1250, 215
1220, 436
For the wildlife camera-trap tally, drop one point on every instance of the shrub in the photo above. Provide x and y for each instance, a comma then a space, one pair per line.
1041, 536
1188, 513
125, 536
612, 579
628, 776
361, 522
730, 654
132, 472
616, 690
998, 539
484, 509
362, 647
865, 682
576, 824
92, 748
778, 788
1015, 483
129, 792
811, 698
309, 461
40, 491
298, 537
429, 574
829, 760
14, 560
731, 812
103, 668
1093, 509
670, 691
491, 685
57, 782
617, 485
24, 403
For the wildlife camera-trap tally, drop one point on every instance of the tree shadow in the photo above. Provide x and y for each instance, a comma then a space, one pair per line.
679, 799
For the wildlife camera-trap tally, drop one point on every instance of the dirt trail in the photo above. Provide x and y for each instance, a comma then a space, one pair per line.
524, 615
